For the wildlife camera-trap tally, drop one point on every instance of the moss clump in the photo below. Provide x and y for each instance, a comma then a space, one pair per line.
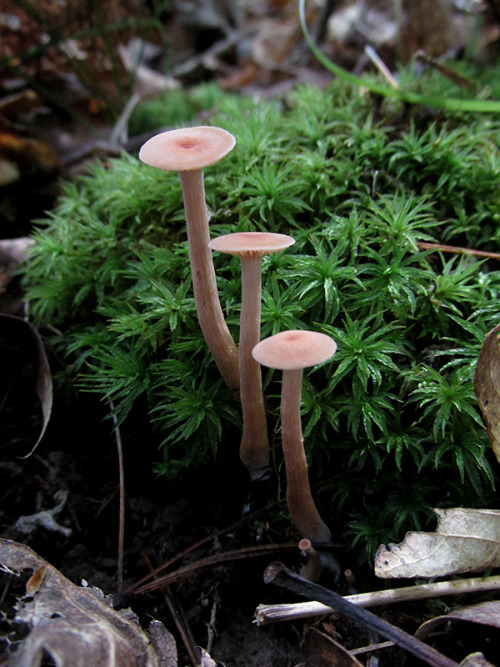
358, 185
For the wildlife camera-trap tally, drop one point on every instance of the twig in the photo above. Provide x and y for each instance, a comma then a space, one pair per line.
288, 612
457, 250
280, 575
121, 513
371, 648
381, 66
453, 76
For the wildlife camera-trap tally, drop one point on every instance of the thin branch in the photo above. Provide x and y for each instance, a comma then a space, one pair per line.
457, 250
381, 66
266, 614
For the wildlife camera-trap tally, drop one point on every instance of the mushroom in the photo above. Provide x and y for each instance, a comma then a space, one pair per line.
250, 247
188, 151
291, 352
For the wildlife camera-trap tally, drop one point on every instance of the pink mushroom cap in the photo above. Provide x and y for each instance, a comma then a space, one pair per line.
187, 149
291, 350
251, 243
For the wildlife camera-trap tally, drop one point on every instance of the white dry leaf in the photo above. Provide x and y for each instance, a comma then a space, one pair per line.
205, 659
465, 540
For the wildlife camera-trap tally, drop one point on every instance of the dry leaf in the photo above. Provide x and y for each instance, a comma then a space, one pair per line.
324, 651
76, 626
465, 540
484, 613
487, 387
206, 660
23, 344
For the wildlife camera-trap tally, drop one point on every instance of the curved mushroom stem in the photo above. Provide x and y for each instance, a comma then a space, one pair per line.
210, 315
254, 447
298, 492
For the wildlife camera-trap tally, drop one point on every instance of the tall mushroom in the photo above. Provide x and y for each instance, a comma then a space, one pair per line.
188, 151
250, 247
291, 352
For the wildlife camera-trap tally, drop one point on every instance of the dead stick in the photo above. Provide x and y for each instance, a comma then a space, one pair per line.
457, 250
268, 613
278, 574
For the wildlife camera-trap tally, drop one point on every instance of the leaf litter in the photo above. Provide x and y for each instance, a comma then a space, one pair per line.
465, 540
487, 387
77, 625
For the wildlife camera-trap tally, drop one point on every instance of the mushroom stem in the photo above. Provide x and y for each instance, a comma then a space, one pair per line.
312, 569
254, 447
298, 492
210, 315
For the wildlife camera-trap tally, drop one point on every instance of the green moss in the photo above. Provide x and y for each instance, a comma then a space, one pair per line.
358, 185
174, 108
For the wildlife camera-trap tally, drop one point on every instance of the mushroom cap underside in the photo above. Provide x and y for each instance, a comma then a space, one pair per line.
187, 149
294, 349
247, 244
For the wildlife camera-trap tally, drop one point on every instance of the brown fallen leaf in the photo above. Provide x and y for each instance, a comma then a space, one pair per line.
465, 540
76, 626
26, 157
484, 613
487, 387
21, 343
324, 651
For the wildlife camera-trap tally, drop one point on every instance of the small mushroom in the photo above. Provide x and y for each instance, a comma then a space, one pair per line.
291, 352
311, 570
188, 151
250, 247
